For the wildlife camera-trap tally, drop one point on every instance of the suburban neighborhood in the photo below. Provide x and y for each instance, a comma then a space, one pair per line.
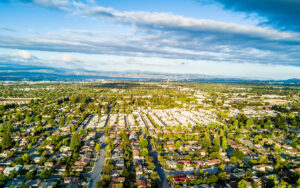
167, 135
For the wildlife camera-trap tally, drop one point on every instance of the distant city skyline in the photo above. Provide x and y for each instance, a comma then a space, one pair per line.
250, 39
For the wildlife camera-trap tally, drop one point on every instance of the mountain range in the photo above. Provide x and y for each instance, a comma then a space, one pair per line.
23, 72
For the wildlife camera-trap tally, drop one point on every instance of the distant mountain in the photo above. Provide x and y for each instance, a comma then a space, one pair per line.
24, 72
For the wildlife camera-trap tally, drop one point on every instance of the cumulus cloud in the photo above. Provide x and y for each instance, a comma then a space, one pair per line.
284, 14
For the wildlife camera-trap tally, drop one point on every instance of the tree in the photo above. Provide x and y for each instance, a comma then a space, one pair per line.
107, 169
206, 143
75, 142
7, 141
144, 152
125, 173
271, 181
143, 143
2, 177
151, 166
216, 142
242, 184
263, 159
179, 166
234, 159
212, 179
177, 144
298, 182
62, 121
238, 154
97, 147
249, 123
154, 176
224, 143
101, 184
24, 186
108, 154
221, 167
26, 158
249, 174
222, 177
29, 175
254, 185
83, 132
46, 173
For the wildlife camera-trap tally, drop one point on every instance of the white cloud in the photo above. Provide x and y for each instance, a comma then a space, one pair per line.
59, 4
168, 21
162, 35
68, 58
22, 54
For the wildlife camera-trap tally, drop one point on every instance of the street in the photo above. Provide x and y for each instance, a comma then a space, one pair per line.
163, 175
95, 174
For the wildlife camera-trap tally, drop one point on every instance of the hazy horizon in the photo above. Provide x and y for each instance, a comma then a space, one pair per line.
245, 39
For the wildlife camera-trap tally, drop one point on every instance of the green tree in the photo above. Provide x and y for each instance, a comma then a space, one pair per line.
238, 154
144, 152
101, 184
177, 144
46, 173
97, 147
2, 177
75, 142
143, 142
151, 166
154, 176
234, 159
254, 185
26, 158
222, 177
221, 167
249, 123
24, 186
206, 143
179, 166
62, 121
242, 184
108, 168
224, 143
298, 182
29, 175
7, 141
271, 181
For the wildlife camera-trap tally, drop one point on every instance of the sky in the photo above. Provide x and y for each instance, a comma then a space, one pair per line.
244, 38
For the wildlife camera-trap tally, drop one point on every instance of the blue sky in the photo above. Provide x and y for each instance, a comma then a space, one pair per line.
252, 39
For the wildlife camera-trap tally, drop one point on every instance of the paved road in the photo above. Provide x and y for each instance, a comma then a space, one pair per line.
95, 174
163, 175
161, 172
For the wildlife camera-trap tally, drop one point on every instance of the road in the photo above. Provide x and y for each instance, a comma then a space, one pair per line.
95, 174
163, 175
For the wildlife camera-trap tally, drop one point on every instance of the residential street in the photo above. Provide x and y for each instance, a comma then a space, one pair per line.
161, 172
95, 174
163, 175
